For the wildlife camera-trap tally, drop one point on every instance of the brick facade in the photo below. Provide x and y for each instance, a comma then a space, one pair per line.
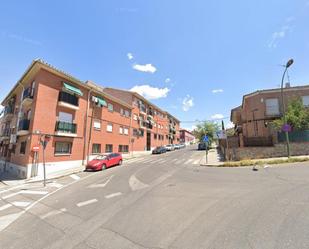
252, 118
80, 126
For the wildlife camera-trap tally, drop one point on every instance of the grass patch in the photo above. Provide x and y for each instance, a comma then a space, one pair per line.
244, 163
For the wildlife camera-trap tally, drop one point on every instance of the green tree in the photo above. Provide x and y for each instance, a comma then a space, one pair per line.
206, 128
297, 115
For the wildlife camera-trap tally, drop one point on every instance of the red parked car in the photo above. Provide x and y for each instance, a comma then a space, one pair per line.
102, 162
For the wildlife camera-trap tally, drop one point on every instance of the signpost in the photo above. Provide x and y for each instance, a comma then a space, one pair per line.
286, 128
44, 143
206, 141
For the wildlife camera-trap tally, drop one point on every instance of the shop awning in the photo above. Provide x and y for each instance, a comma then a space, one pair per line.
101, 102
72, 89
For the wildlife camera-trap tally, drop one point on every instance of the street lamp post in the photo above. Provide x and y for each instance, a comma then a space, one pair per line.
288, 64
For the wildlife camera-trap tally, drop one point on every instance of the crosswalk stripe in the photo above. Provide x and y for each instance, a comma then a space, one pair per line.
33, 192
10, 195
30, 192
55, 184
21, 203
84, 203
5, 206
196, 161
75, 177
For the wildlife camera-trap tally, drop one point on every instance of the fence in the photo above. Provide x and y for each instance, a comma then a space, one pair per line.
294, 136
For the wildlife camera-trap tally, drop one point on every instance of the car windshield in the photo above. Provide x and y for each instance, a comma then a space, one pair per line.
101, 157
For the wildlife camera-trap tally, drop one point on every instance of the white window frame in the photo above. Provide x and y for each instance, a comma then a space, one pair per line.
120, 130
135, 117
125, 131
109, 128
110, 107
97, 125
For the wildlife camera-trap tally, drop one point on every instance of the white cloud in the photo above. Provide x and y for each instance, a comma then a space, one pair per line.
217, 116
148, 68
167, 80
280, 34
150, 92
217, 91
130, 56
187, 103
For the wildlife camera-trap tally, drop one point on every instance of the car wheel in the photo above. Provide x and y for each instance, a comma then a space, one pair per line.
104, 166
120, 162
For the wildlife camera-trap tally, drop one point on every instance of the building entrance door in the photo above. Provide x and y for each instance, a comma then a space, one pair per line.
148, 145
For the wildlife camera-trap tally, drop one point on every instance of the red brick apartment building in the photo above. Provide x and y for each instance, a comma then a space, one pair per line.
252, 118
186, 137
82, 119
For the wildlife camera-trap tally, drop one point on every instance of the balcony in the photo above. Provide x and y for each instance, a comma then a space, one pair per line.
28, 96
68, 100
65, 129
5, 134
8, 112
23, 127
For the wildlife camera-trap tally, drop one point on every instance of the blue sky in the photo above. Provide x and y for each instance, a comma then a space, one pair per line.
194, 58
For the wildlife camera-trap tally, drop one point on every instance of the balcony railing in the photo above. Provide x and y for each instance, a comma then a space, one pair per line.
28, 93
23, 125
6, 132
68, 98
65, 127
8, 110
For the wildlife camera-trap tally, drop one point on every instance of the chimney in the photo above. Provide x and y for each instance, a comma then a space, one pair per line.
287, 85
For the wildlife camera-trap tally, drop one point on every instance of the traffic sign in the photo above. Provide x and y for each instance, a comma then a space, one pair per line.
205, 139
286, 128
35, 148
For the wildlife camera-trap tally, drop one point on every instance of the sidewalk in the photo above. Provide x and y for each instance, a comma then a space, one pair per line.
214, 158
7, 180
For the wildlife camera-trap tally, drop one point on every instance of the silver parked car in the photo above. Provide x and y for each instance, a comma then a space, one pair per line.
170, 147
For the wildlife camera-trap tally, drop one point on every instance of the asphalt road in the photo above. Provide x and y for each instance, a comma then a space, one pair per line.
162, 201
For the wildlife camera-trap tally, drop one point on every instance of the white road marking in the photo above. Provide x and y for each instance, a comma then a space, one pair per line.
5, 221
197, 161
102, 185
113, 195
174, 160
30, 192
21, 203
52, 213
9, 189
84, 203
5, 206
189, 161
136, 184
8, 219
33, 192
10, 195
55, 184
179, 161
75, 177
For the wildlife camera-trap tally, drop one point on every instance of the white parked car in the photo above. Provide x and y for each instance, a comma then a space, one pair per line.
170, 147
177, 146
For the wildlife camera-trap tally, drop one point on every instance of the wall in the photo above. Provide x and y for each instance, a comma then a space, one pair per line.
279, 150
